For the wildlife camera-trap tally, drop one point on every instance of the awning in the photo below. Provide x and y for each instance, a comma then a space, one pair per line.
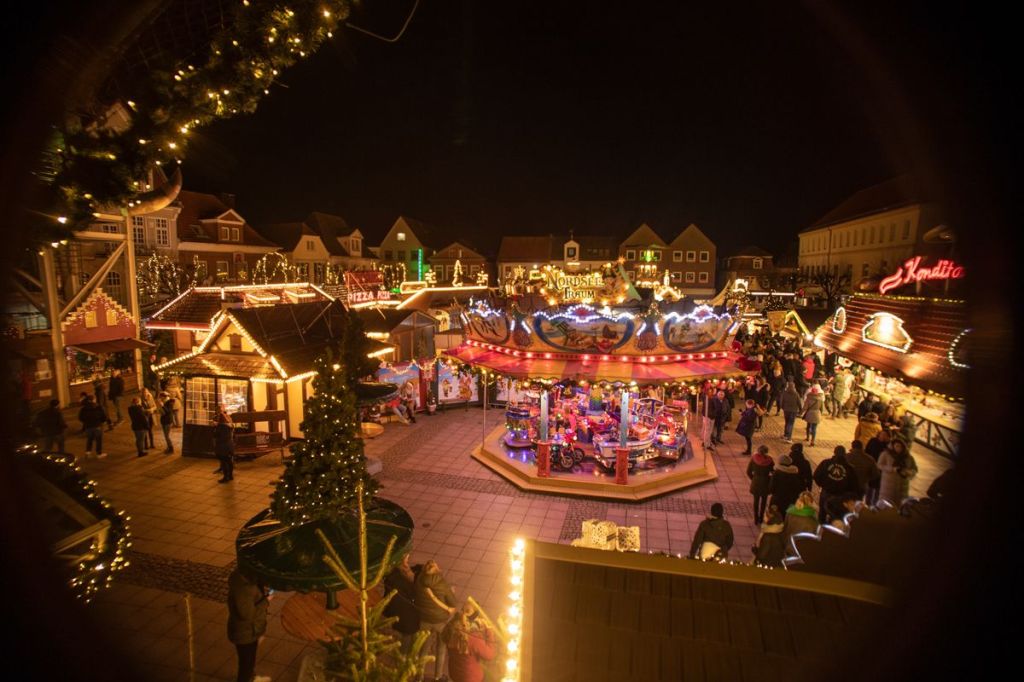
598, 370
113, 346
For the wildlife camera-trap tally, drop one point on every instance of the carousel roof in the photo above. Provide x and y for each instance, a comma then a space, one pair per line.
591, 368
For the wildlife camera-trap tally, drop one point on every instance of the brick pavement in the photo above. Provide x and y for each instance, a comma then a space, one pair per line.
184, 525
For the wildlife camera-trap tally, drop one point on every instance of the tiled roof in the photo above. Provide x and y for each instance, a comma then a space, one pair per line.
644, 236
687, 232
752, 251
247, 365
330, 227
196, 307
199, 206
932, 325
285, 235
893, 193
522, 249
294, 334
603, 615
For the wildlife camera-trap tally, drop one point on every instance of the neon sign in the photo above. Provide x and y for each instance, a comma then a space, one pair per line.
886, 330
911, 272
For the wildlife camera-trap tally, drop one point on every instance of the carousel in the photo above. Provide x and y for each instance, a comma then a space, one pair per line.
598, 395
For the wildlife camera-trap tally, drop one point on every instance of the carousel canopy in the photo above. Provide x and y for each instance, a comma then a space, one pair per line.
643, 370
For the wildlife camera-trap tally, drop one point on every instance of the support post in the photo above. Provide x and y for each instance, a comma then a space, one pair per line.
544, 459
621, 466
60, 360
133, 299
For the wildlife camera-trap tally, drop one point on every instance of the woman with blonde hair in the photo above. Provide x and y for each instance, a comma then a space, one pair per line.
801, 517
469, 644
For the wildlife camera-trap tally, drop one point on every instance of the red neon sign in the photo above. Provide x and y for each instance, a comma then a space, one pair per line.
911, 271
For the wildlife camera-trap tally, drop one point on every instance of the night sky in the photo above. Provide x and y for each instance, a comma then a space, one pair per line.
529, 118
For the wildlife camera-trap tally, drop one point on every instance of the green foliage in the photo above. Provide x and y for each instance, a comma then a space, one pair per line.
364, 650
328, 466
356, 346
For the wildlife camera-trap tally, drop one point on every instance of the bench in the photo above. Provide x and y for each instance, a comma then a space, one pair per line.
252, 443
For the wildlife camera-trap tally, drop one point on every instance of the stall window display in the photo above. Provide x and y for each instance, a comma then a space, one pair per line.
200, 401
939, 421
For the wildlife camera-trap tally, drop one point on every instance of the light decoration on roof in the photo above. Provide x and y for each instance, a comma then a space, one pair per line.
514, 616
954, 347
261, 299
299, 295
701, 313
839, 320
886, 330
589, 314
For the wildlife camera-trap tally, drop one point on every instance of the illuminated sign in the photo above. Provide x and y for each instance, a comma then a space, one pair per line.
911, 272
839, 321
574, 287
369, 296
886, 330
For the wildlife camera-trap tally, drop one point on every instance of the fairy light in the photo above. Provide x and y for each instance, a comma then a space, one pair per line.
514, 615
951, 353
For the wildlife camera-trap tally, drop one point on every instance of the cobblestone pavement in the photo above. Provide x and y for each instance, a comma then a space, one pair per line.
184, 525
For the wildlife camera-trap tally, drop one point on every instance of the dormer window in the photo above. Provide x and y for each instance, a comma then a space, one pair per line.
401, 236
236, 234
309, 245
758, 263
570, 253
225, 233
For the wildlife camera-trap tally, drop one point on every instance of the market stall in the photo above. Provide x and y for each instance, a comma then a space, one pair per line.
911, 351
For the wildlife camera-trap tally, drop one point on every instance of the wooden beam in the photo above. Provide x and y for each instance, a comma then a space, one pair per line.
31, 297
27, 277
94, 280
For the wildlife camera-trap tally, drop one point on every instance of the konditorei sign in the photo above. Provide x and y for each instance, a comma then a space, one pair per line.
911, 272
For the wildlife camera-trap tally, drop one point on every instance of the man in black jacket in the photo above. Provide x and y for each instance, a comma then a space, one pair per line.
716, 413
93, 417
167, 419
835, 477
715, 530
115, 392
52, 426
140, 426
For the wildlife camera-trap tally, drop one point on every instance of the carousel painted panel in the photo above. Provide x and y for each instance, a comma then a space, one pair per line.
581, 330
695, 331
487, 325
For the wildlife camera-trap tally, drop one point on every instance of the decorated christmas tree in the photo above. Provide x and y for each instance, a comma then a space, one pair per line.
323, 476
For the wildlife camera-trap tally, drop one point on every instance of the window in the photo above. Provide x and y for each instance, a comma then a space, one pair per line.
570, 253
906, 229
302, 270
656, 256
356, 246
855, 237
871, 235
225, 233
677, 256
630, 255
705, 256
508, 270
677, 276
401, 255
163, 235
222, 268
233, 394
401, 236
236, 234
309, 245
139, 230
318, 272
702, 278
758, 263
691, 277
389, 255
200, 405
892, 232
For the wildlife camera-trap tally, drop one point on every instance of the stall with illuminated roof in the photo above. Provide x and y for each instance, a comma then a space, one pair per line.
257, 361
598, 359
909, 343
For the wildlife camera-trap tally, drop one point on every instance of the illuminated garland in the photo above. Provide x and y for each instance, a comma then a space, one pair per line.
160, 277
94, 574
99, 164
951, 353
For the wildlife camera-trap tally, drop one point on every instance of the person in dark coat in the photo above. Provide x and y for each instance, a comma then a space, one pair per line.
790, 403
51, 425
167, 419
93, 417
714, 530
835, 477
762, 394
224, 446
771, 545
811, 412
759, 471
115, 392
402, 580
140, 426
247, 621
786, 483
802, 464
777, 383
747, 423
716, 413
435, 601
877, 444
864, 465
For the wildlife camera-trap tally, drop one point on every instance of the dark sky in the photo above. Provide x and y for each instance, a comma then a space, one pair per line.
751, 120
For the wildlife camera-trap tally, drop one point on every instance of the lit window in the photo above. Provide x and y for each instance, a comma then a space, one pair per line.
705, 256
401, 236
163, 235
225, 233
703, 278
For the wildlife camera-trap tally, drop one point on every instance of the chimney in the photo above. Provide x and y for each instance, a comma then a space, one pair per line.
227, 199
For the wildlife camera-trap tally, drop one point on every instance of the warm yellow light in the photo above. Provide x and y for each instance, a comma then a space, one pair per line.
62, 219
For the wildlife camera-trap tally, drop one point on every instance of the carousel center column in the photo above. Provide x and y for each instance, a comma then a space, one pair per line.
622, 452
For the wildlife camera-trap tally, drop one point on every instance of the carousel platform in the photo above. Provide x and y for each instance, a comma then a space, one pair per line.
588, 479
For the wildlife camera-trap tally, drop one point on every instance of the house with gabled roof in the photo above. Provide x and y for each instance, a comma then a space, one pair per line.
347, 245
692, 260
211, 230
570, 252
409, 242
470, 260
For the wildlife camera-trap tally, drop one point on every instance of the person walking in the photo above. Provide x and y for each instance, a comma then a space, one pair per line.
867, 428
409, 400
115, 393
140, 425
470, 644
99, 392
93, 417
247, 622
762, 393
51, 426
747, 423
835, 477
224, 446
786, 483
812, 412
149, 406
716, 413
402, 581
864, 466
898, 469
173, 389
435, 601
802, 464
770, 548
759, 471
714, 537
790, 403
840, 392
167, 419
801, 517
777, 385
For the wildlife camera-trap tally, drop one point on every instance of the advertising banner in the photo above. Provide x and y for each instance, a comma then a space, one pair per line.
402, 375
454, 386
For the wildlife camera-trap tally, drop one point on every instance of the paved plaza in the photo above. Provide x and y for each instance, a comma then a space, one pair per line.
184, 524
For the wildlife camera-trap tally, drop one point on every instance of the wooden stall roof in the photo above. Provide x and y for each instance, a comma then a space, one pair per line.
599, 615
933, 324
226, 365
196, 307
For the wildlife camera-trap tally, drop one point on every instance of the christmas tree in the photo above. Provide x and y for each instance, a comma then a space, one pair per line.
322, 480
457, 274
